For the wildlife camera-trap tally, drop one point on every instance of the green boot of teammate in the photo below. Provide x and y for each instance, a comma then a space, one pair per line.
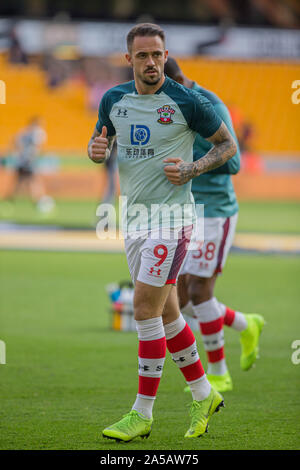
201, 411
221, 383
249, 340
132, 425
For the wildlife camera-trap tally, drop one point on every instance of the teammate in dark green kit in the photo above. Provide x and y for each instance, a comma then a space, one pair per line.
215, 191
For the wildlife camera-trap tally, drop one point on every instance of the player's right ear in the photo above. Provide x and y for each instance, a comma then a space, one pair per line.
128, 58
166, 53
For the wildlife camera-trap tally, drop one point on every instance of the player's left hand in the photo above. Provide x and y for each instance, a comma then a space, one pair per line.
178, 172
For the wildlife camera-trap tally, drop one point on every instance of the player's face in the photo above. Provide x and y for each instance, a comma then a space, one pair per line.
148, 57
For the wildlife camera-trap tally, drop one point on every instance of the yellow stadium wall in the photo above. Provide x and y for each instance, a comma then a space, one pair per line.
261, 91
67, 121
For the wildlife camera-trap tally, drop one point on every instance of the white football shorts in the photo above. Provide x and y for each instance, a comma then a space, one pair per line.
156, 259
207, 257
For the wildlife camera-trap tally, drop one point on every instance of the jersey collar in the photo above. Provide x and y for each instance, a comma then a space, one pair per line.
164, 85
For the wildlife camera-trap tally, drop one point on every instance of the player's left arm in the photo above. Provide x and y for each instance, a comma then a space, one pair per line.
224, 148
232, 166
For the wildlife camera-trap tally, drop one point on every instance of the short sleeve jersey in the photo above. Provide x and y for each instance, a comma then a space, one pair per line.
214, 189
150, 128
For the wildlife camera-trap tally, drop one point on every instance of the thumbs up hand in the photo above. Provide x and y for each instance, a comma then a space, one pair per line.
104, 132
98, 150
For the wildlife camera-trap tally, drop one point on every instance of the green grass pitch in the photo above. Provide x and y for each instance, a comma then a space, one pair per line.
68, 375
254, 216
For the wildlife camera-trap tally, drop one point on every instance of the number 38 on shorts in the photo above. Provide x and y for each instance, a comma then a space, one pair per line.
208, 258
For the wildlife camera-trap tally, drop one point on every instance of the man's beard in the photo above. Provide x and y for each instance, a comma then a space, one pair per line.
153, 81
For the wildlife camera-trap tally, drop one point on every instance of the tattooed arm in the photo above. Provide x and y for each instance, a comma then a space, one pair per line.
224, 148
99, 146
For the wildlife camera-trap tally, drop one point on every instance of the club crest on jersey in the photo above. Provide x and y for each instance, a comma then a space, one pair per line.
165, 113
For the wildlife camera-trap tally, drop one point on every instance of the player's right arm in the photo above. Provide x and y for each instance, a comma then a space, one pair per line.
99, 146
102, 140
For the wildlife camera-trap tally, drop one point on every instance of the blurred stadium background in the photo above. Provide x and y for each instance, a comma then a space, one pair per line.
57, 58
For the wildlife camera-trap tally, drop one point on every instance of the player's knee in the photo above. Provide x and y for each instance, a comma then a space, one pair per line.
140, 314
143, 311
200, 290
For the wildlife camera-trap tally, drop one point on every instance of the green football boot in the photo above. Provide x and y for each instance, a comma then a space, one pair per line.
249, 340
201, 411
221, 383
132, 425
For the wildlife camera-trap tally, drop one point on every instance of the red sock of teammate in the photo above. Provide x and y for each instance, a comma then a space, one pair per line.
233, 319
182, 346
210, 321
151, 355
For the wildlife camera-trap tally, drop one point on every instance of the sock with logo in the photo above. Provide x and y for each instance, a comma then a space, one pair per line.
210, 321
182, 346
233, 319
151, 357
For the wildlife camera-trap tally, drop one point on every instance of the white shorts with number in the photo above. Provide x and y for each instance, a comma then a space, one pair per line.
208, 256
156, 260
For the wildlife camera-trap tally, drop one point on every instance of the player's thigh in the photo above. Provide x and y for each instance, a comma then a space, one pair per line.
151, 285
154, 263
149, 261
201, 289
149, 300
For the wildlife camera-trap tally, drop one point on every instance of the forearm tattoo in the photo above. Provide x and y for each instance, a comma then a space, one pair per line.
224, 148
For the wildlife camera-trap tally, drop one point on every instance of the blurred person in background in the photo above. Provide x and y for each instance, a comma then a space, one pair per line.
27, 146
16, 52
100, 76
251, 161
202, 266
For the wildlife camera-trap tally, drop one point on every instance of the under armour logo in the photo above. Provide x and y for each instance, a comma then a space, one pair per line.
180, 359
122, 112
155, 272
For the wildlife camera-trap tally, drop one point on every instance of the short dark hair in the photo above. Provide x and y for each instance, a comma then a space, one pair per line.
172, 69
144, 29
